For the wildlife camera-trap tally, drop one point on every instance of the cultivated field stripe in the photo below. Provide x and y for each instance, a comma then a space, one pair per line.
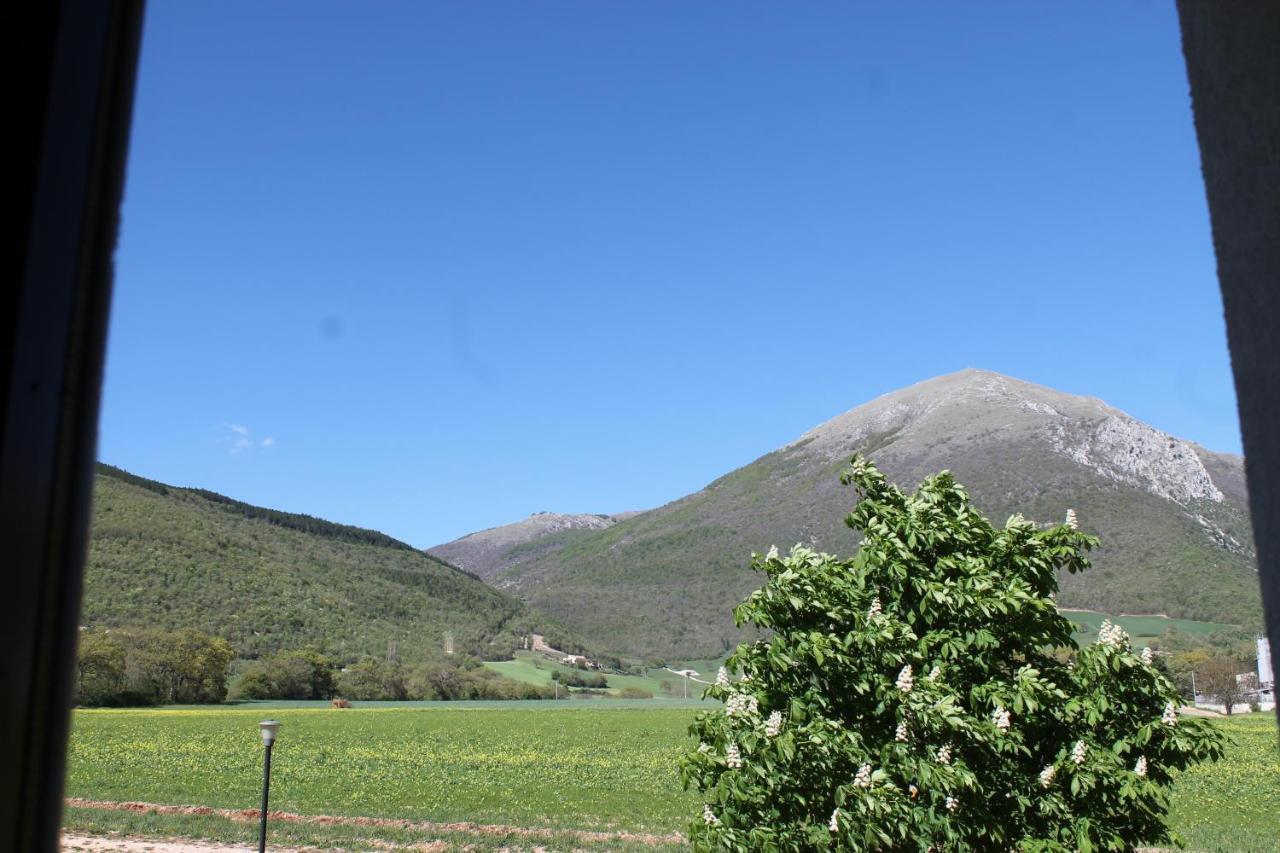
245, 815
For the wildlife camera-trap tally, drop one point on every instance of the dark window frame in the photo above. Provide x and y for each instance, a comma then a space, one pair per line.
69, 134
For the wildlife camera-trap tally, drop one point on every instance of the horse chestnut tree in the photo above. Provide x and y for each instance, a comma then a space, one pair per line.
909, 698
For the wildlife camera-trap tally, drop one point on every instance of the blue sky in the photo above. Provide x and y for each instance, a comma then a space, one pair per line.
429, 267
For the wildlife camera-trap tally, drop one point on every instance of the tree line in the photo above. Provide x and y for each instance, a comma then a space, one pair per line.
309, 674
137, 666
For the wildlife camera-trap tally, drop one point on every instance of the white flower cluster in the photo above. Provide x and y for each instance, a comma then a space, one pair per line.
774, 724
905, 680
722, 678
952, 804
704, 748
863, 779
1112, 635
944, 755
1071, 520
935, 673
834, 824
741, 705
733, 757
1001, 719
874, 610
773, 553
901, 735
1170, 715
1046, 776
708, 816
1141, 767
1078, 752
1147, 655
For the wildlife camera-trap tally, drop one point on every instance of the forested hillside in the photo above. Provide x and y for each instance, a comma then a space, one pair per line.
166, 557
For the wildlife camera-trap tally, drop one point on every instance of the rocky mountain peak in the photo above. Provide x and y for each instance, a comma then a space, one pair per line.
983, 405
487, 552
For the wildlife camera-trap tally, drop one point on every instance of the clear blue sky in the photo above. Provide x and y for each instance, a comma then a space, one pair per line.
428, 267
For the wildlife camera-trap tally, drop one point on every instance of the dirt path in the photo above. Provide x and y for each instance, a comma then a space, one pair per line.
583, 836
100, 844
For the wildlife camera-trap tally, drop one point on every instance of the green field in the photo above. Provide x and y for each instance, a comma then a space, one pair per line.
558, 767
599, 766
535, 668
1141, 628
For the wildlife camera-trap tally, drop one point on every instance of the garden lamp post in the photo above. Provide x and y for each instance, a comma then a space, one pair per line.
268, 728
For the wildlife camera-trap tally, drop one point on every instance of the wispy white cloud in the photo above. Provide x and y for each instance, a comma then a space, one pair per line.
241, 438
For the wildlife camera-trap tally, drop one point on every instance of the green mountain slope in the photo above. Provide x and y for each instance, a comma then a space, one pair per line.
169, 558
1173, 517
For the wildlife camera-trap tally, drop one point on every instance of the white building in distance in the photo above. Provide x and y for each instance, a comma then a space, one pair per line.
1266, 675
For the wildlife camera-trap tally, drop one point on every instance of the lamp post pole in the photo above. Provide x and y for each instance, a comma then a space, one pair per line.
268, 728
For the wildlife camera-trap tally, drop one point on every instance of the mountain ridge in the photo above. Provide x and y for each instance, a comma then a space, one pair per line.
487, 553
1172, 515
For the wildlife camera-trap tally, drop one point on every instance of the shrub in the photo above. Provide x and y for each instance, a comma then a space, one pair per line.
253, 683
634, 693
908, 699
573, 679
468, 679
297, 674
371, 679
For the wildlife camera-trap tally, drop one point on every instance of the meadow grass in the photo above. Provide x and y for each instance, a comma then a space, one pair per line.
610, 769
1234, 805
586, 766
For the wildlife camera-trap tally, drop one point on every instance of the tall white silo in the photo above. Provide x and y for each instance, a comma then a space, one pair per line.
1266, 675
